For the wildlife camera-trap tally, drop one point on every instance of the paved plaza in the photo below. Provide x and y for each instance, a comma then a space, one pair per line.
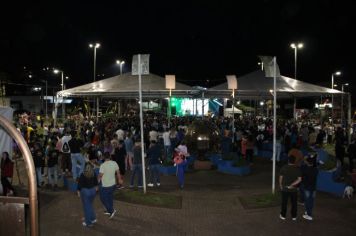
210, 206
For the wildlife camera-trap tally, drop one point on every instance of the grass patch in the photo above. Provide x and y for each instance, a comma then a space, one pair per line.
149, 199
260, 201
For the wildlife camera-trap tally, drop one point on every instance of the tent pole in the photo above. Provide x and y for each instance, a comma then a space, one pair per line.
97, 109
141, 124
349, 118
295, 109
274, 126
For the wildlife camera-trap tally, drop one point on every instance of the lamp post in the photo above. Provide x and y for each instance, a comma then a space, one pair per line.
95, 46
342, 101
296, 46
260, 64
120, 63
62, 87
337, 73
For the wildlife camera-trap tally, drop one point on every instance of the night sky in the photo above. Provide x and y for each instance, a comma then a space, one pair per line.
200, 42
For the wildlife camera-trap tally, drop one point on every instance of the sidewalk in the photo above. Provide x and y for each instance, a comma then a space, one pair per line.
210, 207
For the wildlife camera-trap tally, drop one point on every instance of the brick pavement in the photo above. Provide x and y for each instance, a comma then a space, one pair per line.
209, 207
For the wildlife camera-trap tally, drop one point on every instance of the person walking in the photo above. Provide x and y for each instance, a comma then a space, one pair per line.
87, 188
136, 165
289, 178
309, 178
339, 145
108, 175
120, 157
75, 144
180, 161
52, 164
154, 156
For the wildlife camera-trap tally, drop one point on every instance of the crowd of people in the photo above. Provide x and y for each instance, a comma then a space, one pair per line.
78, 147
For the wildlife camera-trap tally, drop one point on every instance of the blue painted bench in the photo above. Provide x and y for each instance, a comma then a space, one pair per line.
326, 183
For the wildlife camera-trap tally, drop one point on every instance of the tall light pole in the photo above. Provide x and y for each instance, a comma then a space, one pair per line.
296, 46
62, 87
337, 73
120, 63
260, 64
95, 46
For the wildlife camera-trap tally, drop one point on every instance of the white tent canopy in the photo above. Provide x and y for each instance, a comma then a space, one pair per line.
126, 86
252, 85
255, 84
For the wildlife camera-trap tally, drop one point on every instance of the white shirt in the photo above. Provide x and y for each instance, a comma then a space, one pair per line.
108, 169
183, 150
166, 139
153, 135
65, 139
120, 134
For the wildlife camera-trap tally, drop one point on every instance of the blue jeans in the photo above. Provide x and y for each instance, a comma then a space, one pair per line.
52, 171
136, 169
309, 196
154, 174
107, 197
77, 157
39, 176
87, 195
180, 173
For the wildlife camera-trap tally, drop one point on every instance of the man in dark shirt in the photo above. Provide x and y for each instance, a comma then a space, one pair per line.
289, 178
120, 157
310, 174
154, 156
75, 144
52, 162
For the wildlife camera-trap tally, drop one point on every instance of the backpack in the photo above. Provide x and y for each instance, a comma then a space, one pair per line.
65, 147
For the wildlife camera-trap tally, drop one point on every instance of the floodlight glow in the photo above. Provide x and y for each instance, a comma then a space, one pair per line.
347, 84
337, 73
262, 103
300, 45
292, 45
55, 71
91, 45
97, 45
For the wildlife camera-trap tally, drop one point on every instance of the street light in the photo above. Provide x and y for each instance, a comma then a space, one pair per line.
296, 46
120, 63
62, 85
94, 46
337, 73
260, 64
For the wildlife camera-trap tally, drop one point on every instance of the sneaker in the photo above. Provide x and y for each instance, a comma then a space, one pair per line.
140, 186
120, 186
281, 217
112, 214
158, 184
294, 218
307, 217
107, 213
150, 185
85, 224
94, 221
